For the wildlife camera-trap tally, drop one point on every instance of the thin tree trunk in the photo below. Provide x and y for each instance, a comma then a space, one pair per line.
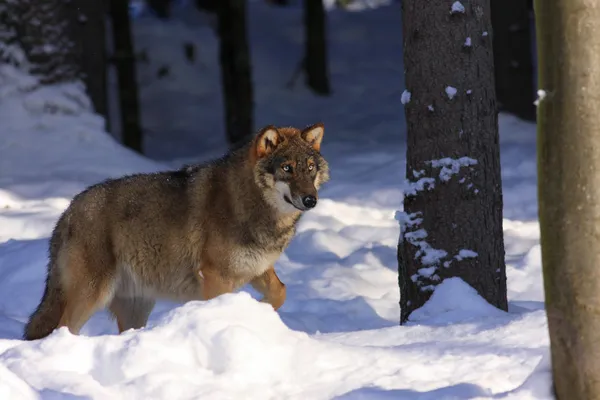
513, 62
568, 36
452, 226
236, 73
315, 55
90, 31
124, 58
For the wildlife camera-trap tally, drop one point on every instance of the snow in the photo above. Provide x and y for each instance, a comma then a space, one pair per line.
465, 253
457, 7
450, 92
405, 98
421, 184
337, 336
453, 301
541, 96
451, 166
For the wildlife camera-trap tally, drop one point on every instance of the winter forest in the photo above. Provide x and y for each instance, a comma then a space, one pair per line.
299, 199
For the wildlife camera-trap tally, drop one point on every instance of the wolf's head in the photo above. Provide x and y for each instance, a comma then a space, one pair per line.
289, 168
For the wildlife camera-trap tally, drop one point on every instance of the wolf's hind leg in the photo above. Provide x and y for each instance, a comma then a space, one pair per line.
269, 285
83, 300
131, 312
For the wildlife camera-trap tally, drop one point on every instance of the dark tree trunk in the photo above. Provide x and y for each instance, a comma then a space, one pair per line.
124, 58
90, 31
452, 226
162, 8
44, 30
315, 54
568, 36
513, 61
236, 73
209, 6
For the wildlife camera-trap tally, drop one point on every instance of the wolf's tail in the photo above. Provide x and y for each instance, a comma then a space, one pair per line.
48, 313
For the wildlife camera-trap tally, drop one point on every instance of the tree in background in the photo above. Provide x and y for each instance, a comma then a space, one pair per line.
236, 72
568, 34
89, 19
162, 8
125, 62
44, 31
62, 41
209, 6
10, 50
513, 61
315, 54
452, 220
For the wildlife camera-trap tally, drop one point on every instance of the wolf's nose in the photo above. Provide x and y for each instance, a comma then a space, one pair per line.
309, 201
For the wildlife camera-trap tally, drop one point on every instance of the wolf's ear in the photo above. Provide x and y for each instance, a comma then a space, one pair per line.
267, 140
314, 135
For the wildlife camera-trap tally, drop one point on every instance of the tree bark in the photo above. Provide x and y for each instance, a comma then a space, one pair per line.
90, 31
513, 62
452, 221
124, 58
569, 195
236, 73
315, 55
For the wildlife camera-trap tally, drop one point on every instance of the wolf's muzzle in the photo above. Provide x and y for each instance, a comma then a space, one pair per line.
309, 201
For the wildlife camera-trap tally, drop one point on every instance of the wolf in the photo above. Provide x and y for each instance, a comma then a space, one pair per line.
188, 234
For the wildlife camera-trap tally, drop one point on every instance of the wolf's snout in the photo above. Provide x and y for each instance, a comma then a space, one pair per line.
309, 201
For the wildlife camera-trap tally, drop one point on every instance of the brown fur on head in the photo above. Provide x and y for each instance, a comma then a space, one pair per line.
289, 166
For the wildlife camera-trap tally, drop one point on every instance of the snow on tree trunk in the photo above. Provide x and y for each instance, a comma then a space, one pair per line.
452, 220
315, 54
236, 73
513, 60
124, 58
568, 33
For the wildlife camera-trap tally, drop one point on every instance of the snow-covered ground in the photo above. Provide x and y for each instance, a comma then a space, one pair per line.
337, 336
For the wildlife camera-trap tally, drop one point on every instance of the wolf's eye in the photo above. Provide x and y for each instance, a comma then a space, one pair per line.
311, 167
287, 168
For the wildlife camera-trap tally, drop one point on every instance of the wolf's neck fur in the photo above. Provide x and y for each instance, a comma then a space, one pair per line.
240, 202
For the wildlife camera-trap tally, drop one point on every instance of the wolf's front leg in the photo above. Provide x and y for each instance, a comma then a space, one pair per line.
213, 284
272, 289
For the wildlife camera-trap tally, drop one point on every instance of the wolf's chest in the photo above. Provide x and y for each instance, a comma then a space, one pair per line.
249, 262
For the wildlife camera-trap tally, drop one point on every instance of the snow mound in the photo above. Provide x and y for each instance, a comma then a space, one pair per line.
452, 301
191, 350
235, 347
11, 387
